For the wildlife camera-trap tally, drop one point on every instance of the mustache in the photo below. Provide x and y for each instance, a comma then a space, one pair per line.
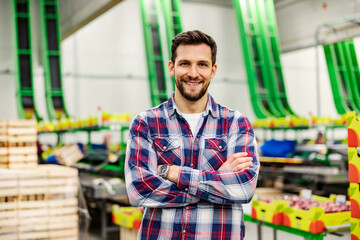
191, 79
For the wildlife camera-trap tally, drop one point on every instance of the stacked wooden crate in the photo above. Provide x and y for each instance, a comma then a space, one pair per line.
31, 206
39, 203
62, 202
18, 144
8, 205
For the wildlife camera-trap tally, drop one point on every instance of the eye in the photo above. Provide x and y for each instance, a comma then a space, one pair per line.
203, 64
184, 64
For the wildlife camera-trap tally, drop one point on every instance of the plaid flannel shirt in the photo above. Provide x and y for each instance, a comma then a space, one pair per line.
205, 203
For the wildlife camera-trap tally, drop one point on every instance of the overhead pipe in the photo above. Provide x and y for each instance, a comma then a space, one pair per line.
354, 19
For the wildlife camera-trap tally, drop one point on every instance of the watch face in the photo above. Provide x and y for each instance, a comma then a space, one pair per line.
163, 170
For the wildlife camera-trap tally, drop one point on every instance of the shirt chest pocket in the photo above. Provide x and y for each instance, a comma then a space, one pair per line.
215, 153
167, 150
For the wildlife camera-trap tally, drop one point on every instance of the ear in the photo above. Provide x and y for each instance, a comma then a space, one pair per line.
213, 71
171, 68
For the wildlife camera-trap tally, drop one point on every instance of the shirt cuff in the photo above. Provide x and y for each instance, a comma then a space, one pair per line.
188, 180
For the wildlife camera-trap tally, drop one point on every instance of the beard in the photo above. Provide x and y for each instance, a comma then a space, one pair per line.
191, 96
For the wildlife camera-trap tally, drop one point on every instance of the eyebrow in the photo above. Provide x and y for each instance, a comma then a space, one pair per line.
201, 61
204, 61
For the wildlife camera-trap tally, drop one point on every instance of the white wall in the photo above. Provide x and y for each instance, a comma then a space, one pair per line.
103, 54
298, 20
7, 84
229, 87
299, 69
104, 64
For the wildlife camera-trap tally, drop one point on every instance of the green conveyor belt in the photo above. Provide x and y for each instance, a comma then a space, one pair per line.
261, 52
51, 52
150, 11
26, 104
344, 75
172, 16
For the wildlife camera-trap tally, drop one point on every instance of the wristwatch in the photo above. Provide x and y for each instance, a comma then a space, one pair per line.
163, 170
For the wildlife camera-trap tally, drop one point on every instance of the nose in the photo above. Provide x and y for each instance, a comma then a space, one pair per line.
193, 73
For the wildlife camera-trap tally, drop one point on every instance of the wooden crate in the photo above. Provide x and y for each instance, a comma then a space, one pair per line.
18, 149
34, 235
3, 127
62, 202
11, 234
3, 142
8, 204
68, 155
128, 233
64, 233
37, 230
39, 203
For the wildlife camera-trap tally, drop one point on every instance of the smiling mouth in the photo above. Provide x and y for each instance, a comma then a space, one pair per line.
193, 83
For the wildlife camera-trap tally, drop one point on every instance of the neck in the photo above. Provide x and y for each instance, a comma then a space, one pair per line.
186, 106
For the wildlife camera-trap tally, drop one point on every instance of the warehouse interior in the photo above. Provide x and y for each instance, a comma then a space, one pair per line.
74, 74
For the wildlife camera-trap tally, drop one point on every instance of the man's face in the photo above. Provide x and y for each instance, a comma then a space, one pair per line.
192, 70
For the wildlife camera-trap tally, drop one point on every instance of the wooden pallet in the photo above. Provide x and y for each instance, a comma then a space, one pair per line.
54, 171
8, 203
3, 127
39, 203
7, 230
3, 142
62, 202
70, 232
33, 235
64, 238
8, 236
18, 149
3, 153
19, 123
68, 155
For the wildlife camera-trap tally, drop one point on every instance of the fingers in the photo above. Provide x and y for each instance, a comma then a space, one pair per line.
237, 155
238, 165
242, 166
237, 162
241, 160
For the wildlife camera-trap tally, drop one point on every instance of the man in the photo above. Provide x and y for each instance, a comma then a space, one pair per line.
191, 162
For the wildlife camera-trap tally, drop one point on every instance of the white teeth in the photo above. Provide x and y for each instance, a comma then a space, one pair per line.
192, 84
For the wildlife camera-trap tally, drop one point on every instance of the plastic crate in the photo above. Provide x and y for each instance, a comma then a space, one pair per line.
315, 219
355, 228
129, 217
269, 212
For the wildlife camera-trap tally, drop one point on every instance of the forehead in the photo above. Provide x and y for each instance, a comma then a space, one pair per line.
193, 52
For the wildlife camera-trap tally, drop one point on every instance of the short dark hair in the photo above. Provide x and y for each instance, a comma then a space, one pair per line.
193, 37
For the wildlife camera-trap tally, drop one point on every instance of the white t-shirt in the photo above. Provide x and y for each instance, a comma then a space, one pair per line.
193, 120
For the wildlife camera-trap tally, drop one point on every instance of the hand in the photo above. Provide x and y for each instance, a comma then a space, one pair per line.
237, 162
173, 173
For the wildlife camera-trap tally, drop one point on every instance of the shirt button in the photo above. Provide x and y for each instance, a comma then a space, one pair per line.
187, 208
184, 231
186, 189
220, 147
192, 164
164, 147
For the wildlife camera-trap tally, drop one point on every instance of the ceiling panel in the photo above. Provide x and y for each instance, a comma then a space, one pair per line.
76, 14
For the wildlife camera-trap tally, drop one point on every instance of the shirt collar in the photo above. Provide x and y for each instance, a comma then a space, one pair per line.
211, 107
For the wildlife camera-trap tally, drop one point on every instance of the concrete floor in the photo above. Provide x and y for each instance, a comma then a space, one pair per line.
251, 234
96, 236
